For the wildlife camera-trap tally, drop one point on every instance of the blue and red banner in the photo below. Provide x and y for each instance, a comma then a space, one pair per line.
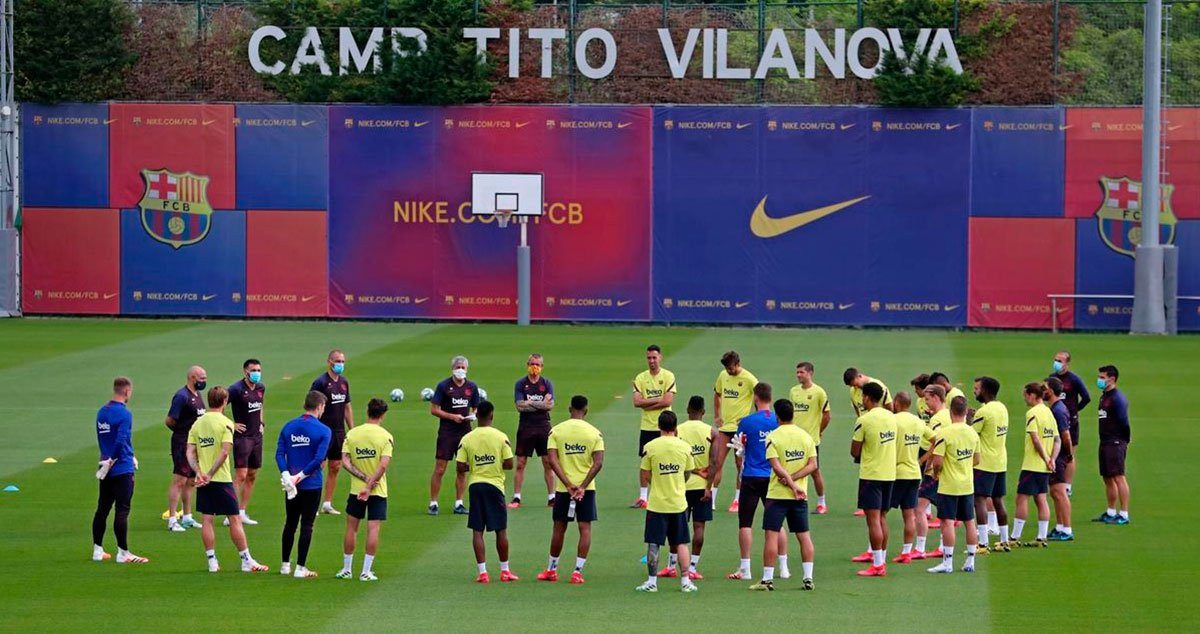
1015, 263
403, 242
808, 215
1017, 162
282, 156
287, 264
64, 149
71, 261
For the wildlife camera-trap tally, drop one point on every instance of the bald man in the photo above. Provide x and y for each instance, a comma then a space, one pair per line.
186, 406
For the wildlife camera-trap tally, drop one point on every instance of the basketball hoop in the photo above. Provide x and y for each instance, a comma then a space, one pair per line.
503, 216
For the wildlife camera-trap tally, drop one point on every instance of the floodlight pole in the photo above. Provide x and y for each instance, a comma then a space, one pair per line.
523, 274
1149, 316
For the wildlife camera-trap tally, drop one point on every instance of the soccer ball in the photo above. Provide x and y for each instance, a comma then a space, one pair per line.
397, 395
427, 394
482, 394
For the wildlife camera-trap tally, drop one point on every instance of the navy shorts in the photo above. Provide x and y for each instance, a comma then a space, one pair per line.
699, 510
375, 508
1033, 483
585, 509
644, 437
179, 462
928, 488
532, 439
875, 495
904, 494
247, 452
337, 437
754, 490
1112, 458
990, 484
1075, 432
794, 511
667, 528
488, 512
956, 507
217, 498
448, 439
1059, 475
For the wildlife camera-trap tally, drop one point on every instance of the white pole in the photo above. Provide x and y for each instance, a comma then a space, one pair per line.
1149, 315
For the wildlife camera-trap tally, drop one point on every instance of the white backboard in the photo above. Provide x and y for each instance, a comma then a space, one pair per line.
519, 192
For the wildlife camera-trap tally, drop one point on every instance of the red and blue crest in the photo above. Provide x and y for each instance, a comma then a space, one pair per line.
175, 208
1119, 218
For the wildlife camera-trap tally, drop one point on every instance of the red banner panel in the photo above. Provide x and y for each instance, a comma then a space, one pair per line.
1014, 264
287, 264
71, 261
179, 138
1104, 147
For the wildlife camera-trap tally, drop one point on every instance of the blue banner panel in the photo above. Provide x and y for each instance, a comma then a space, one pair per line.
64, 154
1017, 162
282, 156
1187, 238
207, 277
806, 215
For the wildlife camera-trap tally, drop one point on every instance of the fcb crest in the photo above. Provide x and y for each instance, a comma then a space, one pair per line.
175, 207
1119, 218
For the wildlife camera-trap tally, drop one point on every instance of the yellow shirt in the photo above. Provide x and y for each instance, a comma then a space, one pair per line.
876, 430
576, 441
367, 445
810, 406
951, 393
958, 448
668, 459
856, 397
737, 394
484, 450
911, 430
935, 424
698, 435
1040, 420
208, 433
991, 423
654, 386
792, 447
923, 409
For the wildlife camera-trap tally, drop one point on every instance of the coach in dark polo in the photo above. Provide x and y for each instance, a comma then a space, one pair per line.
1114, 442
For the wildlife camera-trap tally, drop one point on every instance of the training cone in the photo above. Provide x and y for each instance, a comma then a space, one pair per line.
49, 461
12, 488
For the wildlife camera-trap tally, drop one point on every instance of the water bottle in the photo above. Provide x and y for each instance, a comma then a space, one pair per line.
571, 510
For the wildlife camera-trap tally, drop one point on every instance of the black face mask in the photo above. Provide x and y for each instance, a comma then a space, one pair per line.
200, 385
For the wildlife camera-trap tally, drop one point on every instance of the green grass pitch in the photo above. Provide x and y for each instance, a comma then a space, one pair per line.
54, 373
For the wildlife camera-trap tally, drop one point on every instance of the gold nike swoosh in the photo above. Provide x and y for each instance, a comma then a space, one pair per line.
305, 124
108, 121
953, 126
765, 226
420, 300
419, 124
208, 121
846, 126
109, 295
625, 124
624, 302
1066, 127
522, 124
743, 126
741, 304
208, 297
307, 298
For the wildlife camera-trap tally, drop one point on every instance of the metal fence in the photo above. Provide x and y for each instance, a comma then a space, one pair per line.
1078, 52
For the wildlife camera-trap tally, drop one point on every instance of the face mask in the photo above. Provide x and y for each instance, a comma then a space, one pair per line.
459, 373
339, 367
1101, 383
255, 376
1058, 366
200, 385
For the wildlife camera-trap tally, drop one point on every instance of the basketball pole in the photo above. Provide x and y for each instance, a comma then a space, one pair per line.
523, 274
1149, 315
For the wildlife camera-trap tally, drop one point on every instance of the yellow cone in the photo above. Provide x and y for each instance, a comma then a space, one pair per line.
49, 461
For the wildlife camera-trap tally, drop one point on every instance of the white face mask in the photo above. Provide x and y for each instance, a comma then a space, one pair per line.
459, 373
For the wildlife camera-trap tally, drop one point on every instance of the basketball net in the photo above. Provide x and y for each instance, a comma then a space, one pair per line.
503, 216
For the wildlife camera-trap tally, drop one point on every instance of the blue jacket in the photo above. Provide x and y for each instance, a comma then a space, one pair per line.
756, 426
114, 434
303, 443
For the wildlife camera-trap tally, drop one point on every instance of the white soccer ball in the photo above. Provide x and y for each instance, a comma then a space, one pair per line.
482, 394
397, 395
427, 394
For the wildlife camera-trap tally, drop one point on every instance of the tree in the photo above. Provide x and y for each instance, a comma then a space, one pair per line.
71, 50
920, 82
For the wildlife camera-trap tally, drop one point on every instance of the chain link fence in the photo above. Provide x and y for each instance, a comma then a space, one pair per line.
1077, 52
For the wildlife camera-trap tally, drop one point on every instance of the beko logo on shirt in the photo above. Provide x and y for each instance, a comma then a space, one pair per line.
200, 411
254, 406
1001, 430
794, 454
208, 441
300, 440
697, 450
801, 407
886, 436
337, 398
728, 393
574, 449
762, 434
484, 459
1103, 413
365, 452
102, 427
963, 454
459, 402
912, 439
668, 468
537, 398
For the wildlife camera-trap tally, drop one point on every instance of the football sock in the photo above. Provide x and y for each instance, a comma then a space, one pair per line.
808, 568
695, 561
737, 494
516, 497
368, 561
783, 561
1018, 525
459, 503
1125, 514
744, 567
652, 581
553, 565
906, 549
970, 555
878, 557
1110, 512
991, 520
1067, 530
482, 567
768, 573
672, 560
504, 566
948, 555
347, 561
245, 554
579, 562
211, 554
642, 492
920, 545
188, 517
820, 500
1069, 491
983, 534
1042, 529
1004, 533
